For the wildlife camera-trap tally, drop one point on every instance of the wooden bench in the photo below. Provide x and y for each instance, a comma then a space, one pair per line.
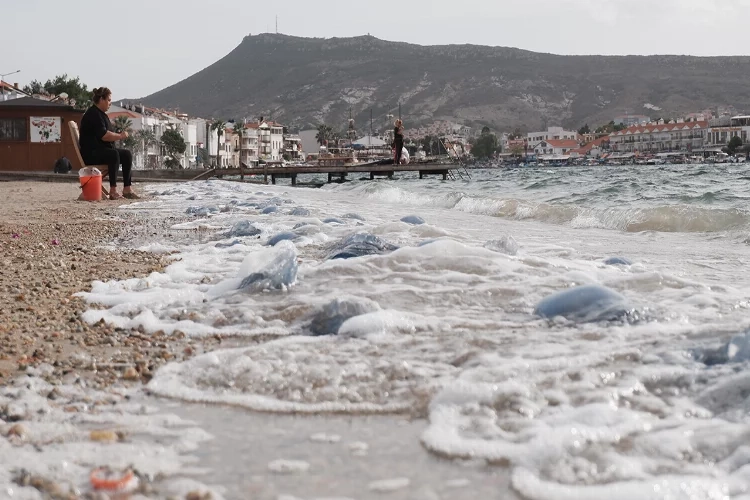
76, 137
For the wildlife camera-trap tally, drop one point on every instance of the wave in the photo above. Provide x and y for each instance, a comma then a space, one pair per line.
661, 218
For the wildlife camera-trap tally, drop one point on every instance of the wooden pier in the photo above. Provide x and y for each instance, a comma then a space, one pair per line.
335, 171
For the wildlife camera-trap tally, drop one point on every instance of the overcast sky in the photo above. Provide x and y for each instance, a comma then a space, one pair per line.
139, 47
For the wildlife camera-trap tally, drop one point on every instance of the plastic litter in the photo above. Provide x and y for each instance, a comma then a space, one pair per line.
103, 478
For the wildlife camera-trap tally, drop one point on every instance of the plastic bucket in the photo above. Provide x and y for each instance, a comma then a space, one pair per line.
91, 184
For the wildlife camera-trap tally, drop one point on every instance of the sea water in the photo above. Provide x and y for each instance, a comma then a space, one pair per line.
427, 317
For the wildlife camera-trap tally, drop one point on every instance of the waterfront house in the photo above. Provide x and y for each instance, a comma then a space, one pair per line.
552, 133
554, 147
158, 121
593, 148
8, 91
722, 129
34, 134
663, 137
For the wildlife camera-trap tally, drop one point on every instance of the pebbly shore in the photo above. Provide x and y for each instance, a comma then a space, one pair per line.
51, 247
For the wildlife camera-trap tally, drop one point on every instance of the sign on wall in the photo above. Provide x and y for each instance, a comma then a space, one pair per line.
45, 129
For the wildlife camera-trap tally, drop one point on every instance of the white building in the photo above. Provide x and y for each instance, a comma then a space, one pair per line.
8, 91
554, 147
686, 136
721, 130
271, 138
151, 155
293, 147
552, 134
631, 120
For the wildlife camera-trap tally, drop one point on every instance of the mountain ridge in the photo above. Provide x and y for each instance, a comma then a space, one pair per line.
303, 82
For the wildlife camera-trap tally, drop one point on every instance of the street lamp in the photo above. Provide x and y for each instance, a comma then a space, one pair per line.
2, 76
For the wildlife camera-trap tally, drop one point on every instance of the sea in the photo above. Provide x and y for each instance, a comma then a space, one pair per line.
531, 333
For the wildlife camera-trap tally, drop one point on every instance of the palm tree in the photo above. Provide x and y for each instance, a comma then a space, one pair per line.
123, 124
219, 126
145, 138
239, 129
324, 133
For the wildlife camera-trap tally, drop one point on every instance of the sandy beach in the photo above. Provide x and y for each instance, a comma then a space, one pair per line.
49, 252
51, 249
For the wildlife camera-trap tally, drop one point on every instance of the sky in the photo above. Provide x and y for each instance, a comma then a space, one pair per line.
139, 47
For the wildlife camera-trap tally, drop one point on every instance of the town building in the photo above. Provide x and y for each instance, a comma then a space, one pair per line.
552, 133
722, 129
34, 134
148, 125
592, 148
293, 148
631, 120
664, 137
271, 138
8, 91
554, 147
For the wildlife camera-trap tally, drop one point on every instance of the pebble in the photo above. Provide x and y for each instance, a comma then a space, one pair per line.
18, 430
103, 436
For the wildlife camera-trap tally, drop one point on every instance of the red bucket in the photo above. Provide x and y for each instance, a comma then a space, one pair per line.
91, 183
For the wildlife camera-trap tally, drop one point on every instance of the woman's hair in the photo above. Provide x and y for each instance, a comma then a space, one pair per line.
398, 122
100, 93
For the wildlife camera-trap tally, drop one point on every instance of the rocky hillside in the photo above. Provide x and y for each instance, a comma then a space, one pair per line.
303, 82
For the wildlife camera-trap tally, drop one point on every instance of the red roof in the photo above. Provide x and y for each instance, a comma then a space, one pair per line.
129, 114
667, 127
591, 145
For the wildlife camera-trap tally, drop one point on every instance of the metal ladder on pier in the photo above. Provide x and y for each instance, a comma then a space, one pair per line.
458, 171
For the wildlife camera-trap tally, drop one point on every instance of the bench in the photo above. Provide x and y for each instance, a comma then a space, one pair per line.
76, 137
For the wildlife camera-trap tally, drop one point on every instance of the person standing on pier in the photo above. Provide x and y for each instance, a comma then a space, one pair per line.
398, 141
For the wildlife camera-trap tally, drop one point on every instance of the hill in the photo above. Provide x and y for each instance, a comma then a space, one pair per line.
303, 82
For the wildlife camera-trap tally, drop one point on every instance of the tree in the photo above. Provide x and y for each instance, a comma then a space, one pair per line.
239, 129
174, 145
123, 124
219, 126
516, 150
584, 130
486, 145
79, 95
324, 134
142, 140
734, 144
516, 134
485, 130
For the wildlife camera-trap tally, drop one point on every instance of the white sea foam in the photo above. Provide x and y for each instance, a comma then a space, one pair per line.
616, 410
